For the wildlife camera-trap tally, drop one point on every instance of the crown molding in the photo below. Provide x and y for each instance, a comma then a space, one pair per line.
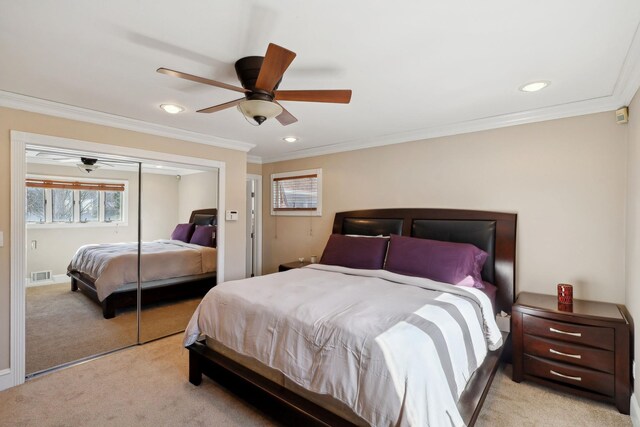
590, 106
56, 109
254, 159
629, 78
628, 83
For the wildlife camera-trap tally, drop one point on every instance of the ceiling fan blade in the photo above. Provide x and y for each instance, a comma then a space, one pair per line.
51, 156
276, 61
200, 79
334, 96
221, 106
285, 118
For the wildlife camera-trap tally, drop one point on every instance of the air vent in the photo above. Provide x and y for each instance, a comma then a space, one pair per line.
39, 276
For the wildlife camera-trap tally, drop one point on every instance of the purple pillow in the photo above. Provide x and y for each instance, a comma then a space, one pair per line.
355, 252
204, 235
448, 262
182, 232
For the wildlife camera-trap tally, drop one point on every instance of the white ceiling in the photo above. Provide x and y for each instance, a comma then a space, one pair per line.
417, 68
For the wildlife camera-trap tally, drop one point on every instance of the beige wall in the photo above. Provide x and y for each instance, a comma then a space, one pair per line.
633, 220
197, 191
159, 206
254, 169
565, 179
37, 123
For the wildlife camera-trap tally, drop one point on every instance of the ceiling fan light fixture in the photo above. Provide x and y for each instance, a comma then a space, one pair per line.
259, 110
172, 108
87, 167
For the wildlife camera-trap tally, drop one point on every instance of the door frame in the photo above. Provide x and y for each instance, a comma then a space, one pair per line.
15, 375
258, 230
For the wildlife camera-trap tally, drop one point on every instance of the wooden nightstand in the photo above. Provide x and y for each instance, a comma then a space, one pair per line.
585, 351
292, 265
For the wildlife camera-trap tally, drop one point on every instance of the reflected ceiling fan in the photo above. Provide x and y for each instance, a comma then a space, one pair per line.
260, 77
86, 164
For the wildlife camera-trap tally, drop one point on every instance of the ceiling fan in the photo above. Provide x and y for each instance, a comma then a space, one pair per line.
86, 164
260, 77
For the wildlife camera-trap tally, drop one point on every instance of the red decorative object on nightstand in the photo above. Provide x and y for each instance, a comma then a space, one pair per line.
565, 293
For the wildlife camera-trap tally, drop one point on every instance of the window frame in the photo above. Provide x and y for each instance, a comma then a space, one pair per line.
48, 197
79, 205
102, 210
49, 223
44, 206
297, 211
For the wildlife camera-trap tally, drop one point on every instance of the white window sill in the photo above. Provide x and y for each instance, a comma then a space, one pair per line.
39, 226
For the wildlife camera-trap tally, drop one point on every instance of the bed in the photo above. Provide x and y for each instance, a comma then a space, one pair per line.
344, 387
171, 270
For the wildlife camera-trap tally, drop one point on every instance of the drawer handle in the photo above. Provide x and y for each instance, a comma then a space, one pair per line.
558, 331
558, 374
575, 356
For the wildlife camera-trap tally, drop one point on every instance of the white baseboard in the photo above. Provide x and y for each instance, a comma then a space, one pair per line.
56, 279
635, 411
6, 379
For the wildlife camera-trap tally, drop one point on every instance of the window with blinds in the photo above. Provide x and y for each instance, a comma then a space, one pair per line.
53, 201
297, 193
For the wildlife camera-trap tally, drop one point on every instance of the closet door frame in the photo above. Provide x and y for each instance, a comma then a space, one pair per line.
15, 375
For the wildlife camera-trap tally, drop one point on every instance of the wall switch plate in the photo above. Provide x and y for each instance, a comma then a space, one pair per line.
231, 215
1, 239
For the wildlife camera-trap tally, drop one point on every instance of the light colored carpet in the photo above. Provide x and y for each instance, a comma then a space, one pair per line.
148, 386
64, 326
525, 404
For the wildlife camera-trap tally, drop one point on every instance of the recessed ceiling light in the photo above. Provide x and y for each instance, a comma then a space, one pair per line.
172, 108
290, 139
534, 86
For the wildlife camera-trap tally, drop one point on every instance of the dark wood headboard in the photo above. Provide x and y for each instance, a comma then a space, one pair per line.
493, 232
210, 212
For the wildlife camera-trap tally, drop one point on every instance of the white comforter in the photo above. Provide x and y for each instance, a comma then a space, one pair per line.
111, 265
397, 350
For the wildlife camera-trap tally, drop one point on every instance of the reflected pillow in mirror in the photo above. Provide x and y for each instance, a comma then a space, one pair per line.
182, 232
204, 235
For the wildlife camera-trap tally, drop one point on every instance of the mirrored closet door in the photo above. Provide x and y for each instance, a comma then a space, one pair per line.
179, 256
81, 300
120, 251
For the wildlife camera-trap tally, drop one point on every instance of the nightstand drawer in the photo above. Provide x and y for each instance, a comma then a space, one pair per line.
569, 332
593, 358
561, 372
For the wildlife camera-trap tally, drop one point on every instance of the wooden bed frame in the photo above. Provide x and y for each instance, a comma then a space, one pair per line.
152, 291
494, 231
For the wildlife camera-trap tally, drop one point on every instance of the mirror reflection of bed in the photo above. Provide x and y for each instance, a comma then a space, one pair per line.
174, 274
186, 273
64, 326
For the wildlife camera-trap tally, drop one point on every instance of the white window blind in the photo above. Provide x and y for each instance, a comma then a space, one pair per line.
72, 185
296, 193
